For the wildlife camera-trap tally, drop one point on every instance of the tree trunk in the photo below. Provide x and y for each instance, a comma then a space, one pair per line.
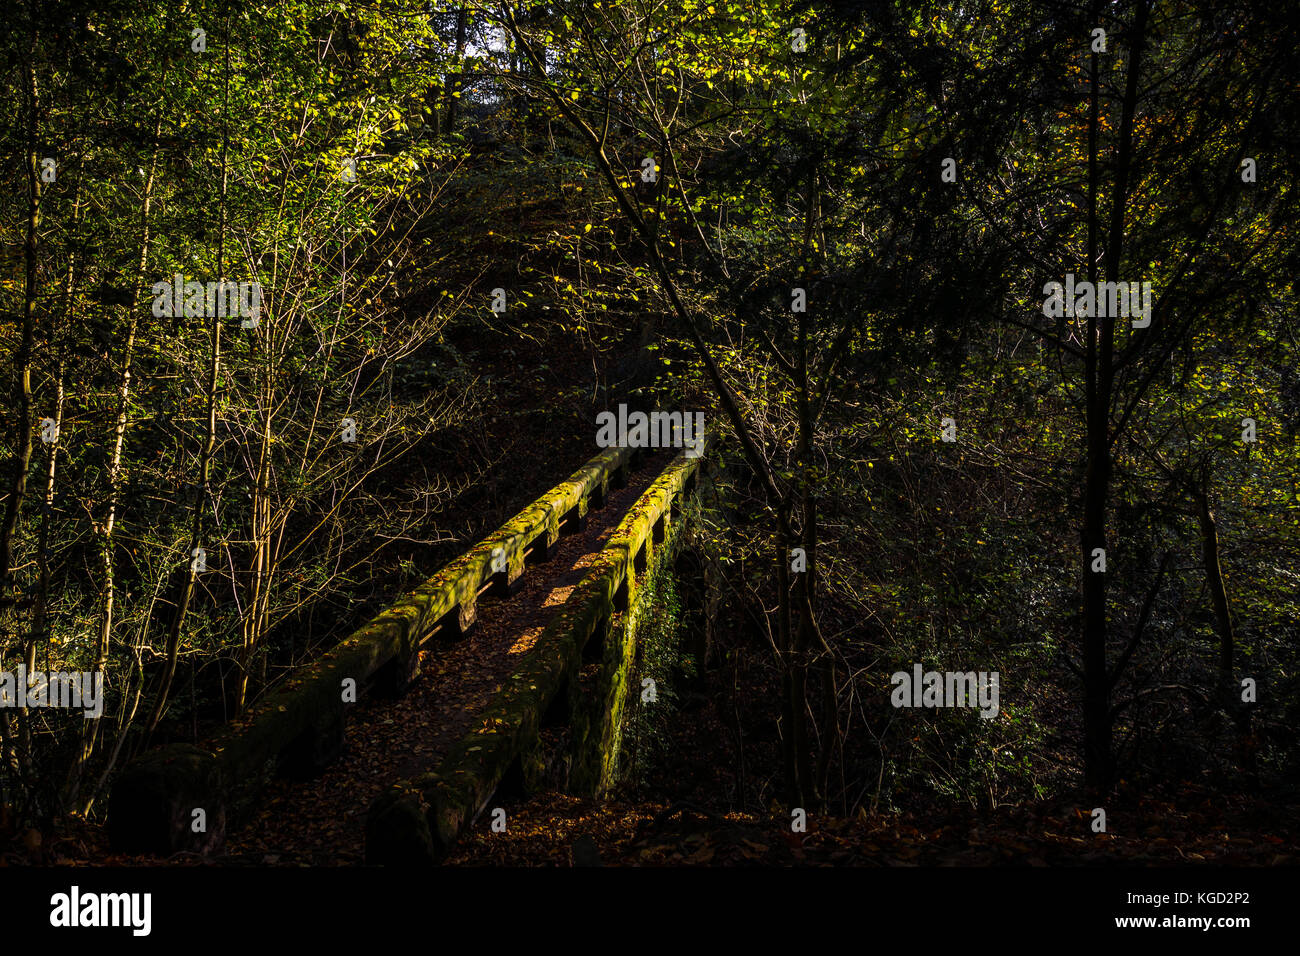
1100, 383
455, 81
1096, 707
785, 652
1228, 691
23, 402
23, 358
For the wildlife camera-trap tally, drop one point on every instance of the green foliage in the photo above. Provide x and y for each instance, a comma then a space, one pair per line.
661, 657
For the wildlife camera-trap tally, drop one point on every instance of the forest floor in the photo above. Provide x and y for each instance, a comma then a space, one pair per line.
558, 830
631, 829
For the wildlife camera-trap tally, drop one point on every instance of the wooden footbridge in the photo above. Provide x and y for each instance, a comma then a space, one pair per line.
541, 615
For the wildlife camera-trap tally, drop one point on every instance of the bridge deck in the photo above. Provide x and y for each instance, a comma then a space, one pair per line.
322, 821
